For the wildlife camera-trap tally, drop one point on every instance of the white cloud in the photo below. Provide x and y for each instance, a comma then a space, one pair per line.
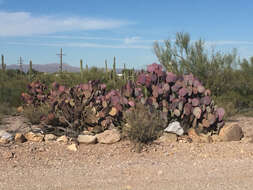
83, 45
229, 42
127, 40
65, 37
132, 40
24, 24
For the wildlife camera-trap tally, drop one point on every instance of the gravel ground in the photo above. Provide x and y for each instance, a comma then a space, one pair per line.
178, 165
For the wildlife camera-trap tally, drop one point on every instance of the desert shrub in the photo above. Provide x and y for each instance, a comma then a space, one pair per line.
12, 85
229, 78
35, 114
143, 124
6, 109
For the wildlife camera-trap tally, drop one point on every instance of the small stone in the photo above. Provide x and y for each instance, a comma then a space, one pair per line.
20, 109
50, 137
167, 138
231, 132
5, 136
175, 127
202, 138
108, 136
87, 133
193, 135
72, 147
206, 138
20, 138
34, 137
4, 141
9, 155
87, 139
62, 139
247, 139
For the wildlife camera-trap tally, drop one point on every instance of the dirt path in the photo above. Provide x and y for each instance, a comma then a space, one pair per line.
165, 166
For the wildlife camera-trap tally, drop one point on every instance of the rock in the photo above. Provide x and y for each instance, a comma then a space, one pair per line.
97, 129
72, 147
37, 128
167, 138
202, 138
87, 133
62, 139
175, 127
20, 109
20, 138
34, 137
193, 135
247, 139
50, 137
5, 137
108, 136
87, 139
231, 132
205, 138
216, 138
4, 141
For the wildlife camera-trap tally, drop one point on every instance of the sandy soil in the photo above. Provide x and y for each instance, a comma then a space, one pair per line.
117, 167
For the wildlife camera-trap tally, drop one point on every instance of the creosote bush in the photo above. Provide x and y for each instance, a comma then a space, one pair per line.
143, 124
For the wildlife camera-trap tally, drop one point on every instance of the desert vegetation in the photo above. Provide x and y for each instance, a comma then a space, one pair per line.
192, 85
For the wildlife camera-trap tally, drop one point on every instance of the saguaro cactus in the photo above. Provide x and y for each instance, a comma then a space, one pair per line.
3, 64
124, 72
106, 66
114, 69
81, 68
30, 69
30, 66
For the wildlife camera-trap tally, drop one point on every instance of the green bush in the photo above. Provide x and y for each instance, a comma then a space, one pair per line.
143, 125
12, 84
34, 114
229, 78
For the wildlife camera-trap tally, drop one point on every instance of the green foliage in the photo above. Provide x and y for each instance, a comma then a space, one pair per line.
34, 114
143, 126
12, 83
229, 78
6, 109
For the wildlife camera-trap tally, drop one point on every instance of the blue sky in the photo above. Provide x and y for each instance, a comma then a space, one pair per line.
95, 30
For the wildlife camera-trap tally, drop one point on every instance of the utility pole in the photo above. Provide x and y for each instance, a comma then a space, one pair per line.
60, 55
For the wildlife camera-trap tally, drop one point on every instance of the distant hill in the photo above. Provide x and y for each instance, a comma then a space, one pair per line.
49, 68
52, 68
